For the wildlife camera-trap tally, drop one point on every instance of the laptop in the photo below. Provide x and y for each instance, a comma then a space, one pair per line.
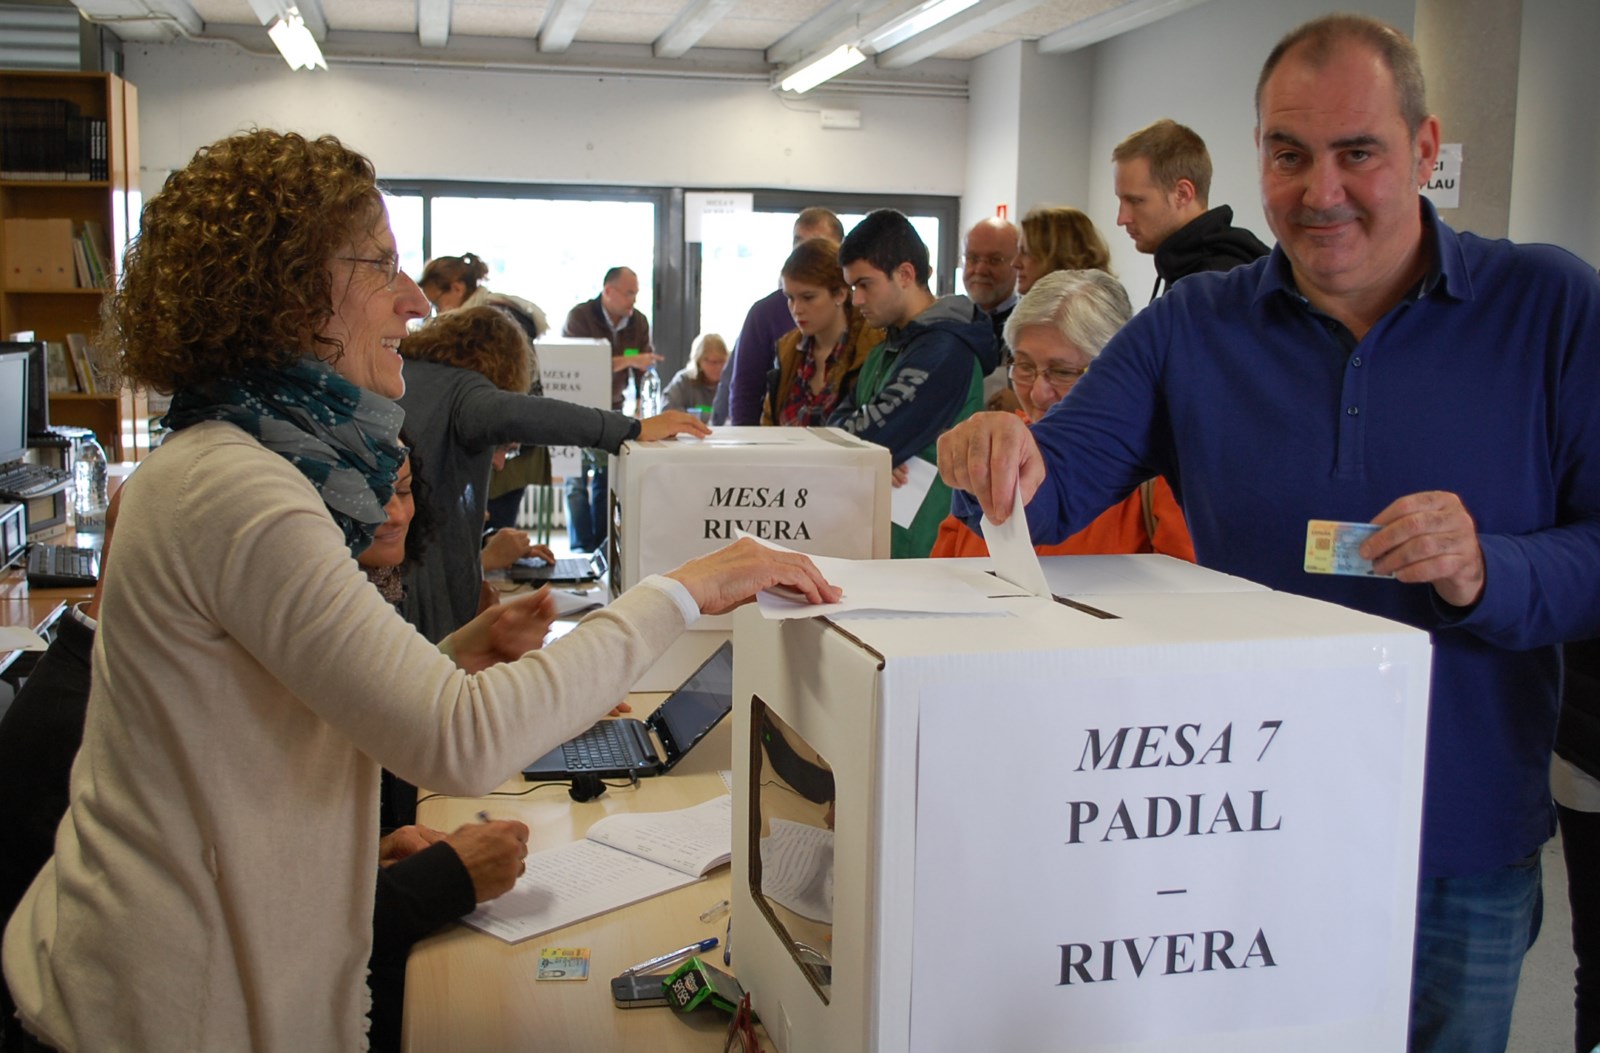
567, 568
620, 749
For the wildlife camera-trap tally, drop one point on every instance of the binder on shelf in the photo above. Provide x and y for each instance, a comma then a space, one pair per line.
82, 363
39, 254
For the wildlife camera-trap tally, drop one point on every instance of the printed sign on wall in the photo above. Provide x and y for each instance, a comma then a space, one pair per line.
691, 509
1174, 860
1444, 185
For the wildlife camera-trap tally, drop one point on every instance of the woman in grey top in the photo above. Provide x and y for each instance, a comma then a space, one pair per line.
466, 384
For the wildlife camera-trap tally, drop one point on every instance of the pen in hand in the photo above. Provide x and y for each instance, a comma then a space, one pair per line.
670, 957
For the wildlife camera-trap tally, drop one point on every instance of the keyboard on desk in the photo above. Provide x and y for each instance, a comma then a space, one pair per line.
565, 568
62, 567
611, 745
18, 482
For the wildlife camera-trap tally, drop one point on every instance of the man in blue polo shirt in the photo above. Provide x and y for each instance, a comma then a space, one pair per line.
1376, 367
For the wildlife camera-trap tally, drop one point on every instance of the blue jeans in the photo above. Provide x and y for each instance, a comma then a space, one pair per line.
586, 508
1472, 933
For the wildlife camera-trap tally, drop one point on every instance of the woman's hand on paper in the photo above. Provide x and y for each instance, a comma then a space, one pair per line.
732, 576
493, 853
668, 423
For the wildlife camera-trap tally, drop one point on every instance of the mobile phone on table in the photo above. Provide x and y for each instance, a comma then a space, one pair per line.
639, 990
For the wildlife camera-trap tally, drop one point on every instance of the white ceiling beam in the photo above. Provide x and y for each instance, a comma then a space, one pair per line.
979, 18
692, 23
157, 20
433, 23
1104, 26
820, 28
311, 14
561, 23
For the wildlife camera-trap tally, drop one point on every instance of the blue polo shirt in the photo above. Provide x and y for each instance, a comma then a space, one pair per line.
1264, 413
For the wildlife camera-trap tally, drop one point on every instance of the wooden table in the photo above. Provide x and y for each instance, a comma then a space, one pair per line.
469, 991
36, 608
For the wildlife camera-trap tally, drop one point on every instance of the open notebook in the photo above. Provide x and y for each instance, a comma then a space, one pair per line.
623, 859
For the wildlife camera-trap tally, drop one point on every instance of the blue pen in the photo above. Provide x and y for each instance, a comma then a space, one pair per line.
670, 957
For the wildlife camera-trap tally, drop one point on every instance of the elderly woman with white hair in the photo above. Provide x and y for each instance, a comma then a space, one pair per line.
1055, 333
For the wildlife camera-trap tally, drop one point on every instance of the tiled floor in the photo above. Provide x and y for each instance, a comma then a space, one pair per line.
1543, 1019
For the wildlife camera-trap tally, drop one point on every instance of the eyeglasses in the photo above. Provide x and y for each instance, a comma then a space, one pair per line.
1059, 377
741, 1030
389, 266
993, 259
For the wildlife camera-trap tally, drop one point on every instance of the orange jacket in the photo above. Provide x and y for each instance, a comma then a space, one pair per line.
1119, 529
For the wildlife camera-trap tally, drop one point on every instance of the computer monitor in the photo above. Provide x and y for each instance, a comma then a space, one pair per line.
13, 406
38, 386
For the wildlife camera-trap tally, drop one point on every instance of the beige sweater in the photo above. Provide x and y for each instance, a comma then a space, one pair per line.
213, 878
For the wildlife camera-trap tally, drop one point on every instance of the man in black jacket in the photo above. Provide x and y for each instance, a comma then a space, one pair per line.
1163, 176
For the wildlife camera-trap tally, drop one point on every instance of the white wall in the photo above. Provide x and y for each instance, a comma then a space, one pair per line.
1056, 115
450, 124
1553, 191
994, 89
1198, 67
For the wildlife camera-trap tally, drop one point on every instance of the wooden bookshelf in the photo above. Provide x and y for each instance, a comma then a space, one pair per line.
119, 419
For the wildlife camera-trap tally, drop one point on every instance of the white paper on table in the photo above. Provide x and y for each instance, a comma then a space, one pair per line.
570, 602
20, 638
797, 869
1011, 549
904, 501
882, 585
566, 885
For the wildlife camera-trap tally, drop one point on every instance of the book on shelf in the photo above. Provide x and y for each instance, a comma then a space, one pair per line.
82, 359
59, 378
623, 859
50, 139
92, 239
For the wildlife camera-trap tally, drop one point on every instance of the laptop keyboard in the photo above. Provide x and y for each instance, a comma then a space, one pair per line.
602, 746
62, 566
566, 568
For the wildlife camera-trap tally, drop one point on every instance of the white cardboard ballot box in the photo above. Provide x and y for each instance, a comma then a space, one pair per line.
1177, 811
574, 369
817, 490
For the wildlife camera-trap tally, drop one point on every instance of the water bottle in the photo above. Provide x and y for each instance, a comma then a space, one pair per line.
89, 479
649, 393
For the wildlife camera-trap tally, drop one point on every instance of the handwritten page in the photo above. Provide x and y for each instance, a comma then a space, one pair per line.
904, 501
566, 885
1011, 549
693, 840
624, 859
797, 869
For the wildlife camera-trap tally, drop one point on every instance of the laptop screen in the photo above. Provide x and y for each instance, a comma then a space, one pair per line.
696, 707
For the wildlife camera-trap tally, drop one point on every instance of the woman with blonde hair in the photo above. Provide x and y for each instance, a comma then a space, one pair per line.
818, 359
212, 883
694, 387
1057, 238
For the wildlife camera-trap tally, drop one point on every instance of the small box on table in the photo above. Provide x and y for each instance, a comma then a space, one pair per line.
1177, 810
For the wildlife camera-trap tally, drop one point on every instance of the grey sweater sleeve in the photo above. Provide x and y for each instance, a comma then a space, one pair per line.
486, 416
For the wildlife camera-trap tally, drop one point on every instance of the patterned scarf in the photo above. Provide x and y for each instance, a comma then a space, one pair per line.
345, 440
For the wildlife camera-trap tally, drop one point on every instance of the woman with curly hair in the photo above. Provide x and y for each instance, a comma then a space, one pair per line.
453, 282
212, 883
1057, 238
467, 374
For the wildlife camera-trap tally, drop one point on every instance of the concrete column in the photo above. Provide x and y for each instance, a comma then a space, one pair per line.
1471, 51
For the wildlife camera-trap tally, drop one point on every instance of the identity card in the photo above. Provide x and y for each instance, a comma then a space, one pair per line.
1334, 548
564, 963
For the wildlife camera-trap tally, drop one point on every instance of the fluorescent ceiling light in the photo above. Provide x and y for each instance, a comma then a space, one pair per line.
295, 42
919, 19
807, 75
